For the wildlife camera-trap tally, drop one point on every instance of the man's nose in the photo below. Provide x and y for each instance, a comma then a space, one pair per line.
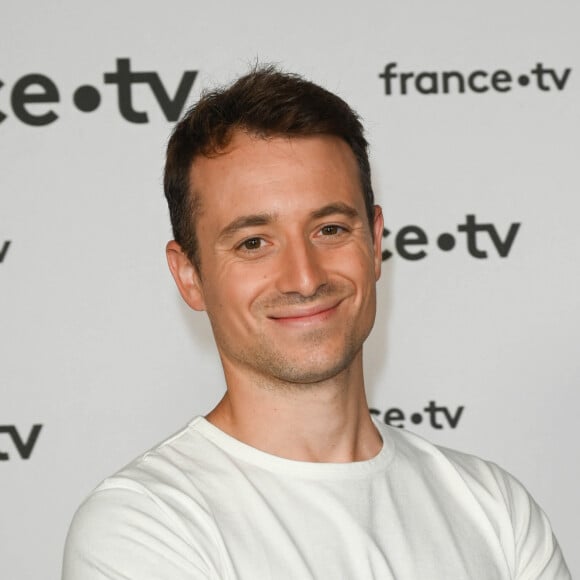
301, 269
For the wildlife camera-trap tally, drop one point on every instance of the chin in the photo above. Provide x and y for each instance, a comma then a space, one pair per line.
308, 371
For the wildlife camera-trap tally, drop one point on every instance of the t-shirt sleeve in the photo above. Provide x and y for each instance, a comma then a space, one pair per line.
537, 553
124, 534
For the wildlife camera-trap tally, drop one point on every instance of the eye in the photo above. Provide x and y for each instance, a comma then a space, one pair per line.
251, 244
331, 230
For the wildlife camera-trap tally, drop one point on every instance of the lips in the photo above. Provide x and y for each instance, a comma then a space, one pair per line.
302, 314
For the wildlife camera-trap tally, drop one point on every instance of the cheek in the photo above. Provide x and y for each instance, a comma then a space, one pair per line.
362, 276
359, 266
236, 288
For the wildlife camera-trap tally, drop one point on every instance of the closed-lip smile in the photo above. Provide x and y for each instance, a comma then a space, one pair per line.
305, 314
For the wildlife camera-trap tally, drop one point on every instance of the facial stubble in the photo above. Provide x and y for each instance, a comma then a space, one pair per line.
309, 356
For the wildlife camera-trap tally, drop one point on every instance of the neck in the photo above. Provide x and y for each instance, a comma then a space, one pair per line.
326, 421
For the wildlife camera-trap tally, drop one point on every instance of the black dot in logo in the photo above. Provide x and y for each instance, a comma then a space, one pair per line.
524, 80
416, 418
87, 98
446, 242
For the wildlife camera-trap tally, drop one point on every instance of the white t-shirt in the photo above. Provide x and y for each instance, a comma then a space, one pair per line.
204, 505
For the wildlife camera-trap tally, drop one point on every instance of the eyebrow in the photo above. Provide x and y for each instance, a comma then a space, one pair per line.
263, 219
246, 221
335, 208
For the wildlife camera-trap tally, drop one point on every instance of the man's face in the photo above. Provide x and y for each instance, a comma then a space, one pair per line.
288, 265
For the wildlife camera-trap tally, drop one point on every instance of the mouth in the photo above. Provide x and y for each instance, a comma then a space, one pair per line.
302, 316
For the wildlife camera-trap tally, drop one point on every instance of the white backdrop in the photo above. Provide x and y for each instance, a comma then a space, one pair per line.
476, 353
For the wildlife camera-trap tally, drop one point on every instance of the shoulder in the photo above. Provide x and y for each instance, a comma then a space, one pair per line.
492, 487
148, 516
418, 454
496, 497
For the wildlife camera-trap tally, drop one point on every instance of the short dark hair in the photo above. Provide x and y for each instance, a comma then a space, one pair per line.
265, 102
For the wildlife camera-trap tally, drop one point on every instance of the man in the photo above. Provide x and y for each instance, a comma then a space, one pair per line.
278, 239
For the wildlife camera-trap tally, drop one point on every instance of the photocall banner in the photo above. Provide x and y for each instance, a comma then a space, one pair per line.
472, 112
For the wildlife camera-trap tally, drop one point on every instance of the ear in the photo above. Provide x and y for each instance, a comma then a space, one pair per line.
378, 225
185, 275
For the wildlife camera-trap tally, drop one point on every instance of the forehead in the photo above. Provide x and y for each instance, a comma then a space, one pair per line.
275, 171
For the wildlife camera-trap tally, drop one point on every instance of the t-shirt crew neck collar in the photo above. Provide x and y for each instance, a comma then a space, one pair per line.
273, 463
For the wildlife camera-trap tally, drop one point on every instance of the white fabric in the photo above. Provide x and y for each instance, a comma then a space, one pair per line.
204, 505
